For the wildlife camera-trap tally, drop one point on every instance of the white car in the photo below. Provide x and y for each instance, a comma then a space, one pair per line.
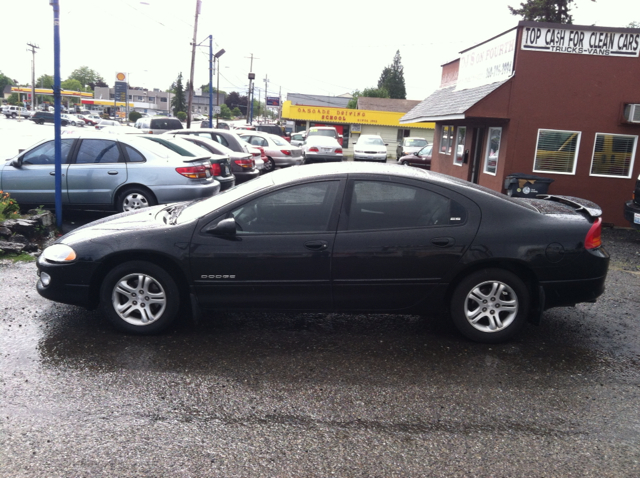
321, 149
73, 119
277, 150
370, 147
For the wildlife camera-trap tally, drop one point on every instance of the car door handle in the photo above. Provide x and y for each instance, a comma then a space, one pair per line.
112, 173
316, 245
443, 241
53, 173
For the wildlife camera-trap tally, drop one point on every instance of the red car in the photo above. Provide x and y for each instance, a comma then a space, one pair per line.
421, 159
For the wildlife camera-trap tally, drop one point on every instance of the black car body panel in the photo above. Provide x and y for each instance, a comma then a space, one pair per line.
320, 238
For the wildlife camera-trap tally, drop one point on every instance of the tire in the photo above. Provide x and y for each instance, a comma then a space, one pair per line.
404, 163
134, 198
40, 121
14, 116
269, 165
140, 298
490, 306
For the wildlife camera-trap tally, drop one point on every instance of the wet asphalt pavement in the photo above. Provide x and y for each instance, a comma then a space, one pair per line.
321, 394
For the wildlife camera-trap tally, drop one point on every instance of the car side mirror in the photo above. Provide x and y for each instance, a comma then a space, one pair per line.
226, 227
386, 144
16, 163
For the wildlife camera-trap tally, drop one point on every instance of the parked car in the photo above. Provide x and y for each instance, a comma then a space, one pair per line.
104, 123
91, 120
216, 124
298, 138
273, 129
220, 167
42, 117
245, 127
243, 165
352, 237
110, 172
410, 145
73, 120
12, 111
321, 149
278, 151
227, 138
325, 131
157, 125
370, 147
419, 159
632, 208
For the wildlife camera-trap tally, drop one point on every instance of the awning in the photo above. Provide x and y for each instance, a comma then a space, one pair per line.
449, 103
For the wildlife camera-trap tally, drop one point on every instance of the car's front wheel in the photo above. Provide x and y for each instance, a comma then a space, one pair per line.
404, 163
490, 305
134, 198
140, 297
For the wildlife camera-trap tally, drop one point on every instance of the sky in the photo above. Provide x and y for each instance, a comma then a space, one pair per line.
319, 48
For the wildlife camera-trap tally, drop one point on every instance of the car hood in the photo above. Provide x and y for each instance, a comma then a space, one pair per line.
139, 220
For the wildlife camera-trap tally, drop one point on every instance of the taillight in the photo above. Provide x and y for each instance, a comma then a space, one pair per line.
594, 239
339, 151
313, 149
215, 169
246, 163
286, 152
195, 172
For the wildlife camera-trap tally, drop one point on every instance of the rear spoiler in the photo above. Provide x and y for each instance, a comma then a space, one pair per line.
579, 204
197, 158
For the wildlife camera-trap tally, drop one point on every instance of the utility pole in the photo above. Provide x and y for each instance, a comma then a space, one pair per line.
266, 83
33, 75
252, 77
193, 60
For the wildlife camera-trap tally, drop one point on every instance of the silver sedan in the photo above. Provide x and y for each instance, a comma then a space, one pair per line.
321, 149
277, 150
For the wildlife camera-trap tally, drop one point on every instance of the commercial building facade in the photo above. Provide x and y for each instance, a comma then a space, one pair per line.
556, 101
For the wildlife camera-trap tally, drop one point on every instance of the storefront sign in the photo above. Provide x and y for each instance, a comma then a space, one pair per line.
582, 42
489, 62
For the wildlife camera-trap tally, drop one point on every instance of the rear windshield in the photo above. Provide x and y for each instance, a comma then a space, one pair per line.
417, 143
322, 132
165, 123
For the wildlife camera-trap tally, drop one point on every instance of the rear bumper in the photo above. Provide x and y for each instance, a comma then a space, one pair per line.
632, 214
569, 293
185, 192
319, 158
284, 161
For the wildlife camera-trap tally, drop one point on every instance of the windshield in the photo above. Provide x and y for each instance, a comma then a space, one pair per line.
322, 132
199, 208
376, 141
180, 146
279, 141
415, 143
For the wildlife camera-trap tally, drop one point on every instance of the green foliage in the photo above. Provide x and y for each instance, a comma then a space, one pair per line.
235, 111
13, 99
44, 81
181, 115
5, 80
71, 84
23, 257
392, 79
553, 11
178, 102
134, 116
85, 75
9, 208
225, 112
367, 93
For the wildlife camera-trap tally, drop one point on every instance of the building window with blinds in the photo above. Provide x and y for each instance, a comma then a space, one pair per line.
458, 159
556, 151
613, 155
446, 139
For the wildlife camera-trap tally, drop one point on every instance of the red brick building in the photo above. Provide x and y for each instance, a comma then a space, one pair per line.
557, 101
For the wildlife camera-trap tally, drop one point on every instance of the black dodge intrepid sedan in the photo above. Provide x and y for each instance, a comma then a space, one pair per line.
350, 237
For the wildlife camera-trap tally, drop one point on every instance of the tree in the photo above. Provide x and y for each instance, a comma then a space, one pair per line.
235, 111
85, 76
178, 102
553, 11
134, 116
368, 93
225, 112
181, 115
44, 81
4, 81
13, 99
234, 100
392, 79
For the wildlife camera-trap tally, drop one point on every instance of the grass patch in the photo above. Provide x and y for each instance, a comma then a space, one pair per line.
23, 257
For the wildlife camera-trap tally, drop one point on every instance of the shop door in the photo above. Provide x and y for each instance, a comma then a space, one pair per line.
477, 146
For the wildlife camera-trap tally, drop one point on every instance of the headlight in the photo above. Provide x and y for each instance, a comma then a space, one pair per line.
59, 253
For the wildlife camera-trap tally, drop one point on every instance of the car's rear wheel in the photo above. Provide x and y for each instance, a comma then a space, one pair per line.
140, 297
134, 198
490, 305
14, 116
269, 165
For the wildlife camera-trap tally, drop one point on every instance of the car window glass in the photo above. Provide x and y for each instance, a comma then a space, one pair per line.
279, 141
219, 139
302, 208
385, 205
134, 155
98, 151
45, 153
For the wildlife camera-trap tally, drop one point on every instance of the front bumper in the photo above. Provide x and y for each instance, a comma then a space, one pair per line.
380, 157
632, 214
68, 284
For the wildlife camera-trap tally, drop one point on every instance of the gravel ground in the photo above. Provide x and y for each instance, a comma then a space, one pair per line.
624, 247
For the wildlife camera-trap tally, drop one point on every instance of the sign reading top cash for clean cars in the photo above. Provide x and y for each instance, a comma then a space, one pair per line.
582, 42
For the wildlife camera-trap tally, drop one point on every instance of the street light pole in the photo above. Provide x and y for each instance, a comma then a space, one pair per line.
217, 56
56, 115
